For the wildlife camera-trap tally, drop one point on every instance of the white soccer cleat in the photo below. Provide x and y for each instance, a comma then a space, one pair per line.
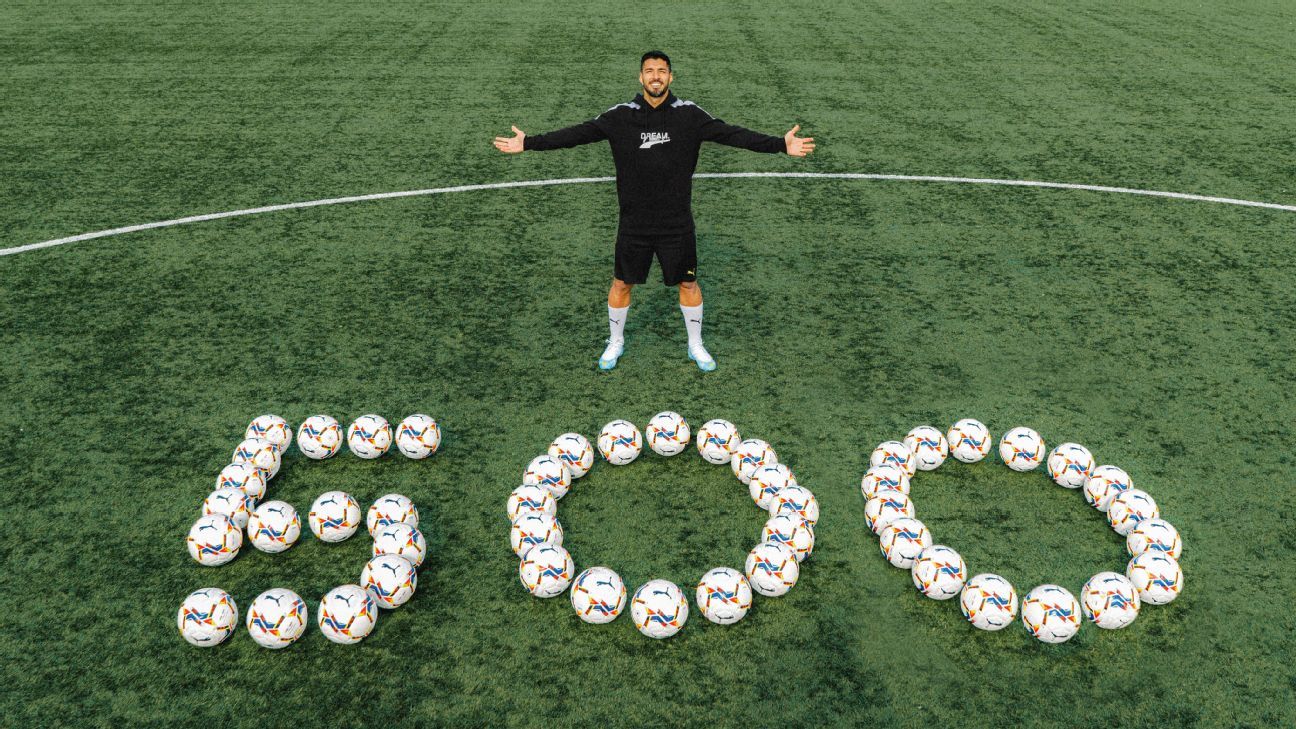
705, 361
609, 358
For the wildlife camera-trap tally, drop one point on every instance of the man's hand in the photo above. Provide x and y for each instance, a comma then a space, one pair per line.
513, 145
796, 146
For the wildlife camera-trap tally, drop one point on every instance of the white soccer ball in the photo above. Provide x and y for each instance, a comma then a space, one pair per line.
1155, 535
391, 509
214, 540
1051, 614
1130, 507
207, 617
245, 477
1157, 577
772, 569
750, 455
903, 540
574, 450
546, 570
723, 595
989, 602
1070, 464
347, 614
530, 497
659, 609
790, 530
717, 440
391, 579
667, 433
886, 507
272, 428
319, 437
620, 442
767, 481
929, 447
231, 502
1110, 600
260, 453
894, 453
1103, 484
1021, 449
401, 540
598, 595
418, 436
797, 499
276, 618
369, 436
549, 473
939, 572
882, 478
334, 516
533, 528
274, 527
969, 440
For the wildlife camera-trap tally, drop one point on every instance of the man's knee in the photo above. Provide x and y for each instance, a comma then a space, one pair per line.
621, 287
689, 286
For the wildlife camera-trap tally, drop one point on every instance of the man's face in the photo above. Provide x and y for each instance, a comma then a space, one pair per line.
655, 77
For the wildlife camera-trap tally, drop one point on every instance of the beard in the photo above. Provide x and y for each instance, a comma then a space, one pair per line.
664, 89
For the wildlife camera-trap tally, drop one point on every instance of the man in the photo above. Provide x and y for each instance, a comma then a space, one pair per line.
655, 140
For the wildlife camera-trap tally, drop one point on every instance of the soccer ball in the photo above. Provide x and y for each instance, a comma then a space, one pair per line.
369, 436
939, 572
1157, 577
620, 442
274, 527
667, 433
1051, 614
969, 440
391, 509
574, 450
531, 497
797, 499
772, 569
903, 540
214, 540
347, 614
319, 437
659, 609
929, 447
1110, 600
207, 617
391, 579
894, 453
334, 516
886, 507
790, 530
548, 472
723, 595
418, 436
1070, 464
231, 502
881, 478
272, 428
276, 618
260, 453
1103, 484
717, 440
546, 570
1021, 449
532, 528
245, 477
1155, 535
401, 540
989, 602
598, 595
767, 481
750, 455
1130, 507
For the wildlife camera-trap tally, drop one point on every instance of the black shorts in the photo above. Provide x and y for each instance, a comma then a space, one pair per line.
676, 254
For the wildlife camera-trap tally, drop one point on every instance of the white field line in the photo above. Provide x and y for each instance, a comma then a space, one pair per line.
581, 180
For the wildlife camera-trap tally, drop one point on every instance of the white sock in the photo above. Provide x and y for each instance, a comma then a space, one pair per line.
693, 323
616, 321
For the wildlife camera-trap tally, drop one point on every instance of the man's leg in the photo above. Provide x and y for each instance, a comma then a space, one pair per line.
690, 299
618, 308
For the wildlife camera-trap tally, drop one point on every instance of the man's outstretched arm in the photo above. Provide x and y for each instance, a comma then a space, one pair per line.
583, 133
714, 130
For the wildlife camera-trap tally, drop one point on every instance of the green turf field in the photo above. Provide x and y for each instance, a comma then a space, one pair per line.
842, 313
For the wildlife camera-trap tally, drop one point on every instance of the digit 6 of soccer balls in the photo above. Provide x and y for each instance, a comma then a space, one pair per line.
667, 433
723, 595
989, 602
207, 617
418, 436
277, 618
598, 595
659, 609
391, 579
347, 614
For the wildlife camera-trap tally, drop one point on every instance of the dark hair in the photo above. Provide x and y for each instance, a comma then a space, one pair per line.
655, 54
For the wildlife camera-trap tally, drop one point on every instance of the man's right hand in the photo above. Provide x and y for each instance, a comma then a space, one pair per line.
511, 145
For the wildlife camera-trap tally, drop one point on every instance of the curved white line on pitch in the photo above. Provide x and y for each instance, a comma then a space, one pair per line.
579, 180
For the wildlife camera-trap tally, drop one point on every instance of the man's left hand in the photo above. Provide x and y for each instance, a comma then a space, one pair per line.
798, 146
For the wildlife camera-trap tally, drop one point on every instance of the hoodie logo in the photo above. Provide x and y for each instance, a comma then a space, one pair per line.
651, 138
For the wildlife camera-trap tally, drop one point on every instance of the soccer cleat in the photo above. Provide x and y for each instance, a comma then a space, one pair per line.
705, 361
609, 358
